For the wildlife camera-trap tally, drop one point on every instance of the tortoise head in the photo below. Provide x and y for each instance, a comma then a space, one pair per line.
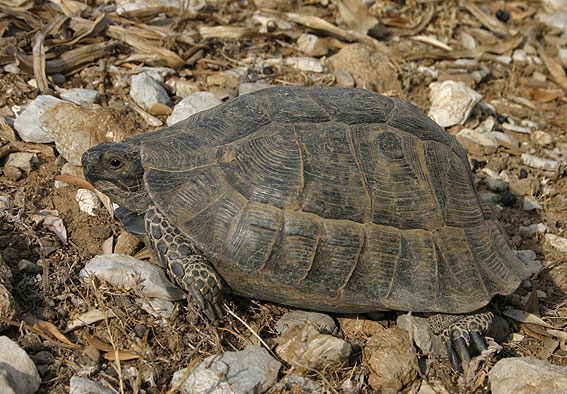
116, 170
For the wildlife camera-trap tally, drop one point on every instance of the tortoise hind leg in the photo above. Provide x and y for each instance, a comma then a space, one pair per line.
458, 331
192, 272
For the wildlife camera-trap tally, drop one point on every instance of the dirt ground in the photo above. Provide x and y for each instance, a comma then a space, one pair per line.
55, 294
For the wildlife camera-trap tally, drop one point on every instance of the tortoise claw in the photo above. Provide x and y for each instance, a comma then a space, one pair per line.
212, 311
453, 358
462, 349
478, 341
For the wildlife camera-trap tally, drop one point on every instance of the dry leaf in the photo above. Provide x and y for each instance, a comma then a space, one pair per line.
46, 328
535, 331
432, 41
76, 181
98, 344
490, 22
532, 305
543, 95
89, 317
122, 355
526, 317
558, 334
555, 69
107, 245
355, 14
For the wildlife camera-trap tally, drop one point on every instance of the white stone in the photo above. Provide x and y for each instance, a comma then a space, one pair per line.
551, 6
12, 68
482, 139
557, 20
321, 321
467, 41
527, 375
28, 124
504, 139
563, 56
516, 129
451, 102
249, 371
7, 385
192, 104
539, 77
559, 243
22, 160
19, 366
503, 59
530, 205
520, 56
88, 201
56, 224
129, 272
539, 163
541, 138
146, 91
80, 96
306, 43
486, 125
306, 64
80, 385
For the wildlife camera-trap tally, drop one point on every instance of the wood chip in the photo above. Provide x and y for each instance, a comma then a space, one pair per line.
432, 41
555, 69
490, 22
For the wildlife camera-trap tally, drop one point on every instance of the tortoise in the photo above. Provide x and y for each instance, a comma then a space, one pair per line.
330, 199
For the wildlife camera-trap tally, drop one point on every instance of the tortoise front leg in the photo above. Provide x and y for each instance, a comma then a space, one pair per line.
192, 272
457, 332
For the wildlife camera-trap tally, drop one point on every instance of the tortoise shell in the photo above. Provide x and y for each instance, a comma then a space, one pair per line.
333, 199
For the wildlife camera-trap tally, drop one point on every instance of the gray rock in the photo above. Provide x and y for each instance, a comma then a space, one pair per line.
57, 78
496, 184
527, 375
79, 385
451, 102
129, 272
6, 203
423, 336
539, 163
7, 385
489, 197
22, 160
146, 91
192, 104
305, 384
249, 87
80, 96
28, 124
344, 79
530, 205
19, 366
532, 229
249, 371
478, 137
323, 323
527, 255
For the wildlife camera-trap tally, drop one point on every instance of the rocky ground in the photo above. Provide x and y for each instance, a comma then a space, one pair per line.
491, 73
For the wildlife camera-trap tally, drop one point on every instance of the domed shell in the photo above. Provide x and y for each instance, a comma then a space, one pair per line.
333, 199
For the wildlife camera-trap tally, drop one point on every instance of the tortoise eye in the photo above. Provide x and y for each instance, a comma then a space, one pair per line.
115, 164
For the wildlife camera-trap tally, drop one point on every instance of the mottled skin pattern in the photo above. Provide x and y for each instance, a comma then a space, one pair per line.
338, 200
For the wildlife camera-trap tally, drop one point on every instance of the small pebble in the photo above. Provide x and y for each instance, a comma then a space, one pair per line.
508, 199
539, 163
523, 173
503, 16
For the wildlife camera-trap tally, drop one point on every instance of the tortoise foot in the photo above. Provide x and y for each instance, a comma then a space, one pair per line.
458, 331
192, 272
